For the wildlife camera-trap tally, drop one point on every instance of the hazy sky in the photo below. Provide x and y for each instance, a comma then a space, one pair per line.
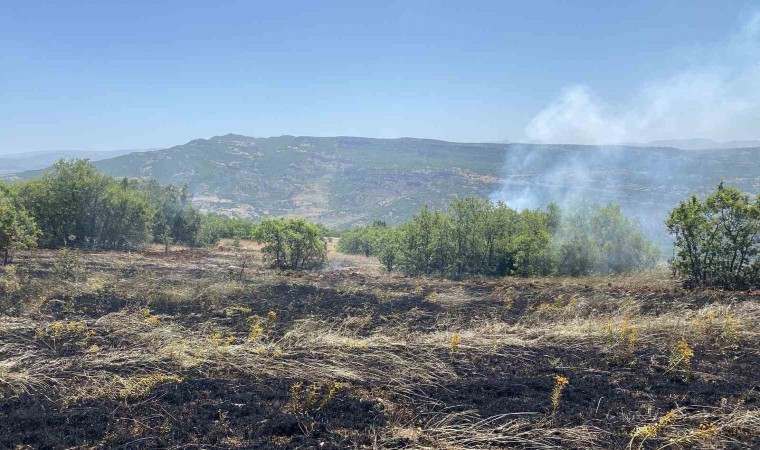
133, 74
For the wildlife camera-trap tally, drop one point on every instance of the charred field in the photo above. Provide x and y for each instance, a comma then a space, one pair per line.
210, 349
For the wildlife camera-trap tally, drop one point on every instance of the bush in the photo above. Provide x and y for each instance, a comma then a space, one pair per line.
292, 243
18, 230
718, 240
367, 241
67, 266
600, 239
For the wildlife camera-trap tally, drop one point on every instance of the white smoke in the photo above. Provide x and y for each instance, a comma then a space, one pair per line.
718, 96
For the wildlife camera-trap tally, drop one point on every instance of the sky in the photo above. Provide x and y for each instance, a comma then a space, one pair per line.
97, 75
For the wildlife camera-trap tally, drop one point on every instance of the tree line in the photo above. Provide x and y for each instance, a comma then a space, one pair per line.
476, 237
75, 206
716, 239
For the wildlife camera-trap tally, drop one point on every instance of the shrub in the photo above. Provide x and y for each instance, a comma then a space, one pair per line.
718, 240
600, 239
306, 401
18, 230
680, 359
134, 388
64, 337
74, 205
292, 243
68, 267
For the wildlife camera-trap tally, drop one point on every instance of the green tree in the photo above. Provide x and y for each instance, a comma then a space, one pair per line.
718, 240
469, 218
498, 226
76, 206
65, 202
426, 244
161, 230
531, 243
621, 244
292, 243
124, 220
389, 248
186, 226
600, 239
17, 227
475, 237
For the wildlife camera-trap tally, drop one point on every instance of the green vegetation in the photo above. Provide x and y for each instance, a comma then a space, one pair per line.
76, 206
718, 239
475, 237
600, 239
292, 243
17, 227
220, 348
363, 240
377, 239
349, 181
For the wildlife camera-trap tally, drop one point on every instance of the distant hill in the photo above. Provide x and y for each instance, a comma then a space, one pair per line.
701, 144
336, 180
342, 181
19, 162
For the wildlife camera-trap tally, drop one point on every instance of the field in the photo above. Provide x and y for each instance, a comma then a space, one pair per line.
209, 349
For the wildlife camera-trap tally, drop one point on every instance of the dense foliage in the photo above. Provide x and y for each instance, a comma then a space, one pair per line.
292, 243
718, 239
475, 237
74, 205
600, 239
18, 229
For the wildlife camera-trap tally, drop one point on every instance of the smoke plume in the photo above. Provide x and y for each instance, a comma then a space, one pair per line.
717, 97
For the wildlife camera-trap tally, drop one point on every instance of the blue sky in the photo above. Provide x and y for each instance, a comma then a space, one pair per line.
112, 75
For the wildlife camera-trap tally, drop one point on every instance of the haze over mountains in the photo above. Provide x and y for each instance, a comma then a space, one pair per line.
19, 162
684, 144
700, 144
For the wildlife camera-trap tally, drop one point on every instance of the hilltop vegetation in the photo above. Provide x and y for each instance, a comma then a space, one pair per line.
718, 239
344, 181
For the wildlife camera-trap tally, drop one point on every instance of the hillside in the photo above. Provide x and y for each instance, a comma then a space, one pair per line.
348, 180
338, 181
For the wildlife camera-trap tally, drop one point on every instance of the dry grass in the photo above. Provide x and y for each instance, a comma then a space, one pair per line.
152, 350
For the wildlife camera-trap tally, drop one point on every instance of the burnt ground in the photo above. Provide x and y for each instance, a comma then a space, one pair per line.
187, 349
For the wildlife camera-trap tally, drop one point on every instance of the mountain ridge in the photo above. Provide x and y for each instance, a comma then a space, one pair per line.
348, 180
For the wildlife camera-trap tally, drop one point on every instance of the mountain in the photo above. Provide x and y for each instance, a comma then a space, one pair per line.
336, 180
700, 144
19, 162
341, 181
